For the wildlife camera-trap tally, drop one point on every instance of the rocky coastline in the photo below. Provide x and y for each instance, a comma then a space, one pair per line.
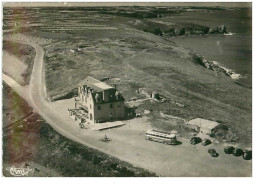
187, 30
215, 66
198, 59
198, 30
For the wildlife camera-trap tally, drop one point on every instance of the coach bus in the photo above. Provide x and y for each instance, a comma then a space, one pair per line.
161, 137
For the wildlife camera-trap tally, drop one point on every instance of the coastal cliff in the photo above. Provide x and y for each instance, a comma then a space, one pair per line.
188, 29
211, 65
217, 67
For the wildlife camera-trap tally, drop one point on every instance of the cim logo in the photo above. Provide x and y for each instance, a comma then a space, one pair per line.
19, 171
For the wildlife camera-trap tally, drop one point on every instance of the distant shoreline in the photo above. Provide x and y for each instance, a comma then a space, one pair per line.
154, 4
228, 71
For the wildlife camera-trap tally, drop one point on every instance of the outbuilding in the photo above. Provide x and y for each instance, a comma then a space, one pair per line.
202, 125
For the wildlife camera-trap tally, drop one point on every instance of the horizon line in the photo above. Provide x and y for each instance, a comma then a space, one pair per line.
105, 4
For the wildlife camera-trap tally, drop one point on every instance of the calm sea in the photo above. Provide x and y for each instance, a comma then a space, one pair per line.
235, 51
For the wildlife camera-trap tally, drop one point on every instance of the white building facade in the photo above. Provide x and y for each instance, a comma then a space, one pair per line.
101, 101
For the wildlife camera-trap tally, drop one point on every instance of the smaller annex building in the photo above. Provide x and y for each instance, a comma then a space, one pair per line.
203, 125
99, 102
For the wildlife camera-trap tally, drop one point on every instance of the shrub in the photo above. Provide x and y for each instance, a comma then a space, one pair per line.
158, 31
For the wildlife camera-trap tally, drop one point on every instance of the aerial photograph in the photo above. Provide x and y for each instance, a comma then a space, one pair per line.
126, 89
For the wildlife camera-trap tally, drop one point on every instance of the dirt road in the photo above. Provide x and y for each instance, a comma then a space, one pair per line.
129, 143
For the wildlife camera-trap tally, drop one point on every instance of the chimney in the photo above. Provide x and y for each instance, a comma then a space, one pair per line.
105, 96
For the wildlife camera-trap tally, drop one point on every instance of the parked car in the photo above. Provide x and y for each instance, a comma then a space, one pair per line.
213, 153
206, 142
237, 152
138, 115
195, 140
247, 154
229, 149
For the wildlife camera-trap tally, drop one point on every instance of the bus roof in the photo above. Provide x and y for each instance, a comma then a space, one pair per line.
150, 131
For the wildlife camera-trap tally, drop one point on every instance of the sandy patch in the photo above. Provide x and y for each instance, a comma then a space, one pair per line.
13, 67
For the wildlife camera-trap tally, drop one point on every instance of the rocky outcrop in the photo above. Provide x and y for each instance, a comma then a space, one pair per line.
199, 30
211, 65
218, 30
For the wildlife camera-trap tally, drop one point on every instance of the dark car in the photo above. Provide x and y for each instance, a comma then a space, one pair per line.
247, 155
195, 140
213, 153
206, 142
229, 149
237, 152
138, 115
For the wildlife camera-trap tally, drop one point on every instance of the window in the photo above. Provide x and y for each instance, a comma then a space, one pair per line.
90, 106
119, 104
99, 107
111, 105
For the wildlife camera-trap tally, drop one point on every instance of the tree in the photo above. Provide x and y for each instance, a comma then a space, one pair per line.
182, 31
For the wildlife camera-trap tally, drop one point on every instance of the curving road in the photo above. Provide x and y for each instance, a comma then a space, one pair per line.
128, 141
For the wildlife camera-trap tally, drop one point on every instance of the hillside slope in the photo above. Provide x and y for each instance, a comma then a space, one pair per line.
141, 60
86, 42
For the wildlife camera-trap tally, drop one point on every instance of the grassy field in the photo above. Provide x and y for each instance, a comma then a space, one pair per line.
24, 53
14, 108
133, 59
33, 142
147, 61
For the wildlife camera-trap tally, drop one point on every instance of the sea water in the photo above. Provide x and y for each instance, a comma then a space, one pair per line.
233, 50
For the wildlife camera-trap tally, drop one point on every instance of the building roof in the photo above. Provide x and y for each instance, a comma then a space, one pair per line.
203, 123
95, 84
103, 86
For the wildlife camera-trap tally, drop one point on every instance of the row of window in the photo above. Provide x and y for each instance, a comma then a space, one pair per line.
110, 106
165, 137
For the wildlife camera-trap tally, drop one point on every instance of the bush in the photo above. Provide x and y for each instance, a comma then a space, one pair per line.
170, 31
124, 172
182, 31
113, 166
158, 31
45, 129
